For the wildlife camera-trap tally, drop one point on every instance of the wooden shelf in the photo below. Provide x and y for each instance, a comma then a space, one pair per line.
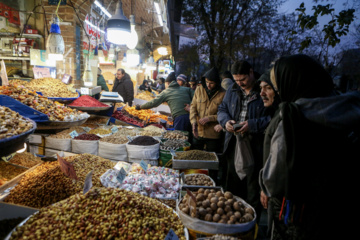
15, 58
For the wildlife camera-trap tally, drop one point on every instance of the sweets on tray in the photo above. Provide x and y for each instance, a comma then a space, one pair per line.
12, 123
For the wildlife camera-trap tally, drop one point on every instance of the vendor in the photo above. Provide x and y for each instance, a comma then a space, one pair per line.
177, 98
145, 86
101, 81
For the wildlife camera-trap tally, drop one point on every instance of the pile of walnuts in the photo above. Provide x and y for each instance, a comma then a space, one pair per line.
218, 207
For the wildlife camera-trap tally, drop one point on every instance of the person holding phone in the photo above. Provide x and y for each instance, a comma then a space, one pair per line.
242, 114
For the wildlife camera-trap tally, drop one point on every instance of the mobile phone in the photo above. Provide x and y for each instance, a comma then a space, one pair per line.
237, 126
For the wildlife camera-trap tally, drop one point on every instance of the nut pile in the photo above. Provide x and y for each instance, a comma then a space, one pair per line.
173, 144
25, 159
8, 171
53, 109
47, 184
175, 135
151, 131
196, 155
12, 123
199, 180
216, 206
100, 131
66, 133
169, 202
115, 139
102, 213
87, 136
126, 132
49, 87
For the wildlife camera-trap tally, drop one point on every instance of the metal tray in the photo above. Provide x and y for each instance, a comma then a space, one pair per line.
193, 174
195, 164
59, 125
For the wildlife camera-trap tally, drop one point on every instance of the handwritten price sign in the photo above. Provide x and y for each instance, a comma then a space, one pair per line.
41, 72
67, 168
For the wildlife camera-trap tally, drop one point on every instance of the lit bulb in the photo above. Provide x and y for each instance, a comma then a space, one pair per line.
133, 40
117, 36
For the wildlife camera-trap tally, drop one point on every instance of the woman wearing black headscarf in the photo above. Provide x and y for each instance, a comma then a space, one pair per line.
304, 144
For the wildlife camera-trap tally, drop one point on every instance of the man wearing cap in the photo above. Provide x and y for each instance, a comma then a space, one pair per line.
177, 98
181, 80
193, 83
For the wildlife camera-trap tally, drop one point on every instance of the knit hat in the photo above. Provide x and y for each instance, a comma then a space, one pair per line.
265, 77
182, 77
170, 77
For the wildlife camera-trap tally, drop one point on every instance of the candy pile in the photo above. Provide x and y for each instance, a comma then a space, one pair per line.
157, 182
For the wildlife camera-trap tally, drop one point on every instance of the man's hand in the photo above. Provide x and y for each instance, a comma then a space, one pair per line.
187, 107
204, 120
264, 199
244, 128
218, 128
195, 130
137, 107
229, 126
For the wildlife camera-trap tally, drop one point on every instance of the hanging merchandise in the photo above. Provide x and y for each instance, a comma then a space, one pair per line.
87, 76
55, 46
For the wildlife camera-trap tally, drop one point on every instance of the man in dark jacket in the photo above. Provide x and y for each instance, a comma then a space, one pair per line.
243, 147
124, 86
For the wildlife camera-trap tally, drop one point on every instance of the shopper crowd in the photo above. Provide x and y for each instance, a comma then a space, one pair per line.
286, 140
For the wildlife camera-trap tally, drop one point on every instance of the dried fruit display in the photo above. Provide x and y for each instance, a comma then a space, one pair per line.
49, 87
118, 139
12, 123
216, 206
53, 109
151, 131
47, 184
103, 213
25, 159
66, 133
87, 101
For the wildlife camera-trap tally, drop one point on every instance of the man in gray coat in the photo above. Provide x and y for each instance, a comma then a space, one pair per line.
124, 86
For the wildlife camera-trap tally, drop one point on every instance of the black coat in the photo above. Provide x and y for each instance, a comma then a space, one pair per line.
125, 88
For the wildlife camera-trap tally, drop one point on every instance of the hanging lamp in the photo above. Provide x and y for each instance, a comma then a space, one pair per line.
118, 27
133, 40
55, 46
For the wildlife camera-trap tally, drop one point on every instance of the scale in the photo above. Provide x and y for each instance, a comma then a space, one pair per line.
112, 97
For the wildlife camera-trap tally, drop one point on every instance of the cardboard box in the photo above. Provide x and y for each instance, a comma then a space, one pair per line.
37, 139
34, 149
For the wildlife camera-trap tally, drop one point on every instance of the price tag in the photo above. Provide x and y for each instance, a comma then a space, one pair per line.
121, 175
86, 129
144, 165
41, 72
172, 152
84, 91
114, 129
171, 235
74, 134
66, 79
182, 175
88, 182
9, 157
67, 168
